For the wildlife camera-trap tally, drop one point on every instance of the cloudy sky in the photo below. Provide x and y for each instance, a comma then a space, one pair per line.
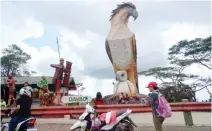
82, 27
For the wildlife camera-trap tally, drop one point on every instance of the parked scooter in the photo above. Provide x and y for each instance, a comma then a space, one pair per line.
26, 125
84, 123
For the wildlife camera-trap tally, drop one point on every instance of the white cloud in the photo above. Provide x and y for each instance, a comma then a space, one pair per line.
83, 29
181, 31
16, 35
31, 29
94, 85
73, 38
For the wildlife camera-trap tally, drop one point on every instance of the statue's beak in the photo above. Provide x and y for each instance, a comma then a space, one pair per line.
134, 14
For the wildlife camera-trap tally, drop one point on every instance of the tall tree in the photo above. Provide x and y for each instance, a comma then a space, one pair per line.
173, 82
197, 51
13, 60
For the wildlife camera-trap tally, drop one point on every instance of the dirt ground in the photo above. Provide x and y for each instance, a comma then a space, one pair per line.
65, 127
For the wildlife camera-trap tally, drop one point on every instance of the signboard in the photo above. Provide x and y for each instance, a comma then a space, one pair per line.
76, 99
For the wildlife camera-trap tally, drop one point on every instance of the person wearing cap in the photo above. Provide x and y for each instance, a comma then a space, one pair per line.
152, 100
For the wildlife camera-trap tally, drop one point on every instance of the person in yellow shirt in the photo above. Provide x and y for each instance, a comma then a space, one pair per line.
3, 103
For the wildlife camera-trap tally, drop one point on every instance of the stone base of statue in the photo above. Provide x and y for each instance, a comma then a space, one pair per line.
123, 99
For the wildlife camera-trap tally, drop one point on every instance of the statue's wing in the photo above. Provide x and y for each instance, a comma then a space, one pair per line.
108, 51
134, 48
135, 58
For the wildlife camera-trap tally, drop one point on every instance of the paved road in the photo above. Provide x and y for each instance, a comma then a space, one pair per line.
177, 119
65, 127
202, 121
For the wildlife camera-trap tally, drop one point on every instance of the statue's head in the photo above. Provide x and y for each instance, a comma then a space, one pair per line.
121, 76
10, 76
61, 61
43, 77
124, 11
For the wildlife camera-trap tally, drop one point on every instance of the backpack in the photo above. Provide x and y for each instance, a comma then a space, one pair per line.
164, 109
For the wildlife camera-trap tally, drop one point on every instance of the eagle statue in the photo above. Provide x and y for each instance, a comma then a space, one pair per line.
121, 44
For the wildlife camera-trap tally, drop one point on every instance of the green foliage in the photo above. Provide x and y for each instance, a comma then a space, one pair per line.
172, 73
177, 93
12, 61
174, 81
186, 53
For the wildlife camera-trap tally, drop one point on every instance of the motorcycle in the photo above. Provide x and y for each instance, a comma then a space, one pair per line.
122, 123
25, 125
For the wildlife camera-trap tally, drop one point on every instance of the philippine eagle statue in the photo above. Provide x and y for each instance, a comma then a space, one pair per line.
121, 44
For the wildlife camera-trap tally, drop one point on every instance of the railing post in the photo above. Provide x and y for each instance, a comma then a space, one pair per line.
187, 116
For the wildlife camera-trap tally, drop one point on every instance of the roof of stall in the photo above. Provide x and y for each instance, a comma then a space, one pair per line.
31, 79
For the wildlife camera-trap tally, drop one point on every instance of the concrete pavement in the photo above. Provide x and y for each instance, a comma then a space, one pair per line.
177, 119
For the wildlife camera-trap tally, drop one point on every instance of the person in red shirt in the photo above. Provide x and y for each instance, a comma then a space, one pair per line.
99, 100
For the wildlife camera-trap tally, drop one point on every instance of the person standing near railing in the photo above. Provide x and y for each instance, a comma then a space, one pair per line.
99, 100
160, 107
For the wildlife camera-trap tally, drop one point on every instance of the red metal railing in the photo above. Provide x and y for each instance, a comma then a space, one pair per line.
136, 108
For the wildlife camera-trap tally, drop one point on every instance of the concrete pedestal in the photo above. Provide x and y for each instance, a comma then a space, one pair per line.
187, 116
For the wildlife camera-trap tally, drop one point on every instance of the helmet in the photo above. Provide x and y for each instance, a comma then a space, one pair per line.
26, 91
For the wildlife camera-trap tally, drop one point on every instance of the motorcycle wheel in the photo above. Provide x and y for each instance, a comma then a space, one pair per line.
124, 126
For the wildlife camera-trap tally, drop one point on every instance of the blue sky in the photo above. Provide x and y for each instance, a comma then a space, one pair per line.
48, 39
